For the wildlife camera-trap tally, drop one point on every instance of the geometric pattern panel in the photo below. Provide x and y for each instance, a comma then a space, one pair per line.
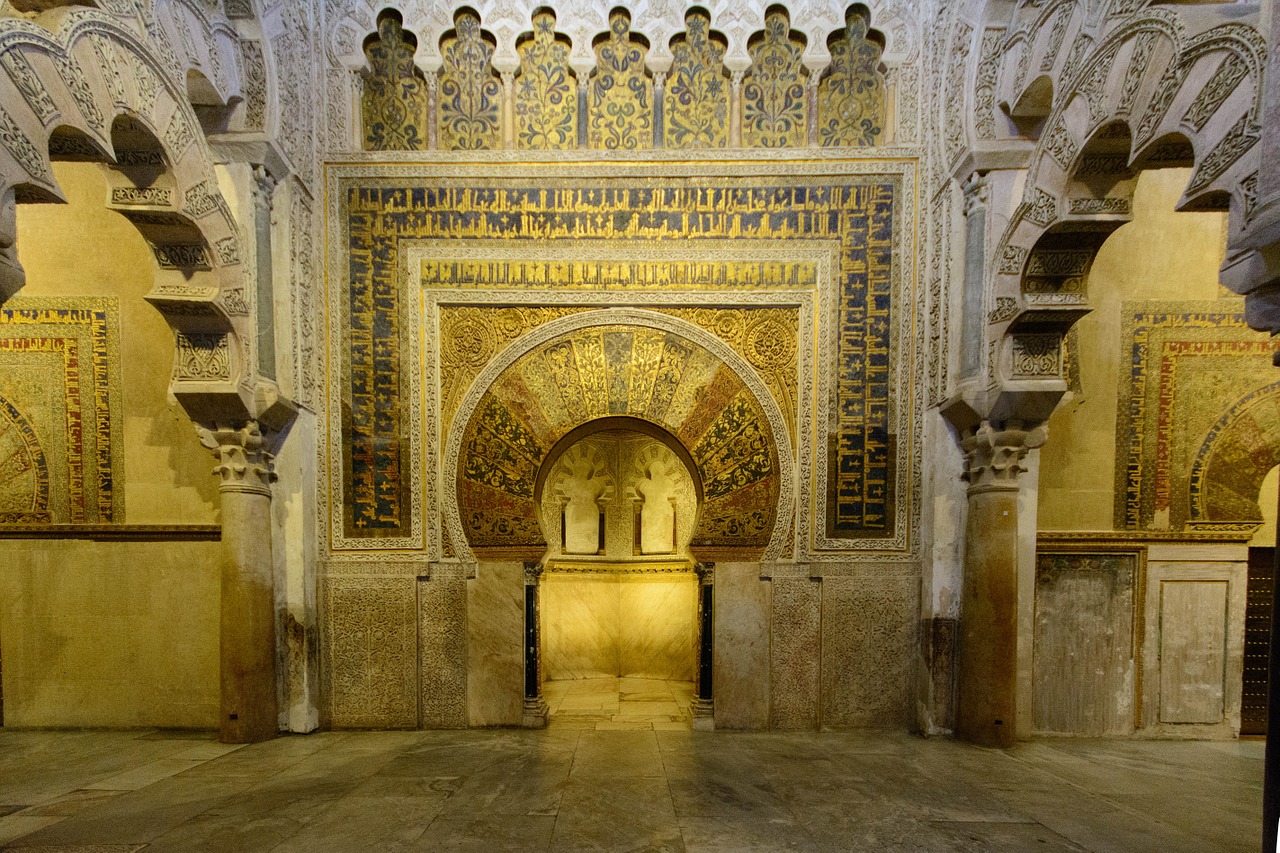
60, 448
856, 213
1188, 363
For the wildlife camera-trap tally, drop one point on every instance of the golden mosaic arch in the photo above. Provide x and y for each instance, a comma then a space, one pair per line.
608, 364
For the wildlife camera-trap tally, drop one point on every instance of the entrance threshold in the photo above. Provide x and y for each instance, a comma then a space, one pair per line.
619, 704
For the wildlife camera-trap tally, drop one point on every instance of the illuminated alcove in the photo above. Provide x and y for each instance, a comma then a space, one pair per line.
619, 501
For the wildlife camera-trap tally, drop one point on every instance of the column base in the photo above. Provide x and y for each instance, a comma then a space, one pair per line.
704, 714
536, 713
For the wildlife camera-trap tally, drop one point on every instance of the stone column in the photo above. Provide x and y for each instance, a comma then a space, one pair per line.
703, 706
508, 109
987, 664
659, 108
263, 187
811, 108
536, 711
248, 637
433, 110
972, 320
735, 109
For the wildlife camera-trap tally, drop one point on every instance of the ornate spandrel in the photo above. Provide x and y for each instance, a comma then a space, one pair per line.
621, 91
394, 107
851, 94
697, 91
546, 93
470, 91
773, 96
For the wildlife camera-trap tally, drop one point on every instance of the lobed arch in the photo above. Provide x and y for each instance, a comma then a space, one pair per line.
93, 89
1127, 110
716, 401
896, 23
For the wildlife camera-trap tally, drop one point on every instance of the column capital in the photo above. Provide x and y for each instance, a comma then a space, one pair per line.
993, 454
533, 573
263, 186
976, 192
706, 572
244, 465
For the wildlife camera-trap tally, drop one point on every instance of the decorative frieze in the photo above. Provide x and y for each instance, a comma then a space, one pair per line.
203, 358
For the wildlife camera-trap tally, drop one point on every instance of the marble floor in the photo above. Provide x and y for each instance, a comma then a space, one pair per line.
619, 704
574, 789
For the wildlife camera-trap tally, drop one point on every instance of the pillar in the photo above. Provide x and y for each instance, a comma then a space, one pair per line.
536, 711
247, 645
703, 709
987, 660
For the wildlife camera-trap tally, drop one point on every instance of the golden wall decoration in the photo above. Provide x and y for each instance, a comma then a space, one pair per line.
546, 92
621, 90
851, 93
774, 104
696, 105
608, 370
1188, 363
394, 105
850, 216
61, 454
1234, 458
470, 94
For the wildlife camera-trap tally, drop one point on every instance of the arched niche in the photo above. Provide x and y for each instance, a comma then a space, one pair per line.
621, 492
618, 362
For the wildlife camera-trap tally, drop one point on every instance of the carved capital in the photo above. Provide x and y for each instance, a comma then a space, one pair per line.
244, 465
533, 573
993, 454
264, 186
976, 193
706, 573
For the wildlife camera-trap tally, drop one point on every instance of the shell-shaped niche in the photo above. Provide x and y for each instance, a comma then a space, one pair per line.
618, 498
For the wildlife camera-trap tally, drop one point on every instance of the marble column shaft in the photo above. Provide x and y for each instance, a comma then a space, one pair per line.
987, 659
247, 646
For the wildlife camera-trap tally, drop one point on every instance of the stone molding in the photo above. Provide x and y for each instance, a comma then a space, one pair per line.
244, 465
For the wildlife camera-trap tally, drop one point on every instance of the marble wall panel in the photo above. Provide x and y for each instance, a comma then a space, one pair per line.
609, 625
1193, 646
580, 626
740, 673
795, 653
1192, 651
370, 648
120, 634
442, 650
657, 633
495, 645
1085, 667
868, 642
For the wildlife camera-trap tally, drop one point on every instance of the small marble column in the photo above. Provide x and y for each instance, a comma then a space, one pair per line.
703, 706
508, 109
811, 109
433, 110
247, 644
536, 711
659, 107
735, 108
987, 659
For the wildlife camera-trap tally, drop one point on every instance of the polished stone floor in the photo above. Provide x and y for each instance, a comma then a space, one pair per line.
619, 704
575, 789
